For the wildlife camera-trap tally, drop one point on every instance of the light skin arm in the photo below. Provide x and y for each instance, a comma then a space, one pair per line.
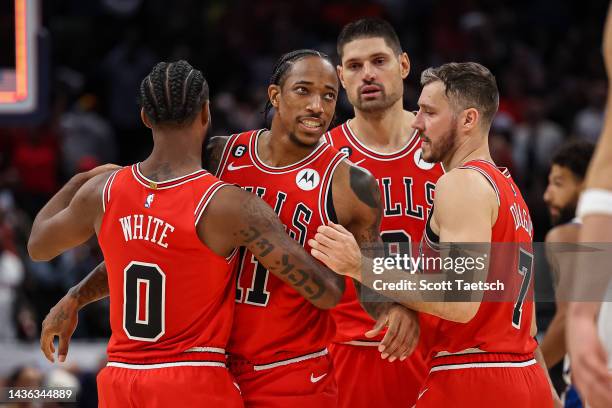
540, 359
470, 222
561, 264
70, 217
589, 358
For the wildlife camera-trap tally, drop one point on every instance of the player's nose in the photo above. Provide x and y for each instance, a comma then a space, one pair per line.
369, 74
418, 122
315, 105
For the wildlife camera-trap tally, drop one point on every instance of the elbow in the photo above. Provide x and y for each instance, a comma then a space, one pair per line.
37, 251
331, 298
462, 312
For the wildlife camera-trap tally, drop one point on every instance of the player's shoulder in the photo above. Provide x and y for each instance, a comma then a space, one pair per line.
464, 185
568, 232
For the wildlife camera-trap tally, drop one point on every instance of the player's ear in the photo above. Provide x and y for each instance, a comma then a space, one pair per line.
404, 65
205, 114
274, 95
145, 119
470, 118
340, 72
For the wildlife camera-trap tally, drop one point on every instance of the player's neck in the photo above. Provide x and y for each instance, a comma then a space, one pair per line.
276, 149
386, 131
470, 149
174, 155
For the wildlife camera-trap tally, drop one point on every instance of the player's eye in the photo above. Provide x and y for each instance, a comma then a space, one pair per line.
330, 96
301, 90
354, 66
379, 61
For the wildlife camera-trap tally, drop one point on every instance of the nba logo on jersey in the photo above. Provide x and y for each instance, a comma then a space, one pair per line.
307, 179
149, 200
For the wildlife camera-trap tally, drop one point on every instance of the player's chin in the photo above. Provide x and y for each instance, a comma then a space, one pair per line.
309, 138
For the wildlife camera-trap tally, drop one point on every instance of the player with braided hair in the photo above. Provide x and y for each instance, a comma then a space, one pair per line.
169, 232
278, 342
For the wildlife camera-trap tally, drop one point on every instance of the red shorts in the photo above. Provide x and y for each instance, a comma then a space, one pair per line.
366, 380
487, 380
306, 383
183, 386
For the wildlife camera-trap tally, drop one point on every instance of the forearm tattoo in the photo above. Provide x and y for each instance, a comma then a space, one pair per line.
93, 287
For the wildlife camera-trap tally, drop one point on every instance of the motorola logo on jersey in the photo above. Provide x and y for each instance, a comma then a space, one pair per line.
346, 150
422, 164
239, 150
149, 200
307, 179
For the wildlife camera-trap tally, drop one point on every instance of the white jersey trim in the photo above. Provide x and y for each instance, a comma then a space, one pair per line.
489, 179
367, 151
106, 190
166, 365
205, 350
209, 194
504, 364
362, 343
290, 361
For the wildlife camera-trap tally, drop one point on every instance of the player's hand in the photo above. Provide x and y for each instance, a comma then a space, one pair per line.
589, 359
337, 249
61, 321
402, 332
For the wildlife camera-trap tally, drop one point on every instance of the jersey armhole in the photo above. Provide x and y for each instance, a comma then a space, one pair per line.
488, 178
326, 199
225, 154
106, 190
201, 207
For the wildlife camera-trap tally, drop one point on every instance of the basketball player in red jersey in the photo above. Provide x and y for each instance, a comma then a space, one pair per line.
278, 340
380, 138
482, 354
169, 232
308, 183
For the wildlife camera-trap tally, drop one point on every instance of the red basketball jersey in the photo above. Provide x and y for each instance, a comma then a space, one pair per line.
272, 320
499, 326
171, 297
406, 184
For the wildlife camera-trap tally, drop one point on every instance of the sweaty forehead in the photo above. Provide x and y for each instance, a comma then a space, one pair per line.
365, 47
312, 69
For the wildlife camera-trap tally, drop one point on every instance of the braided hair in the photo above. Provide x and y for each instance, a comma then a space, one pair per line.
282, 68
173, 93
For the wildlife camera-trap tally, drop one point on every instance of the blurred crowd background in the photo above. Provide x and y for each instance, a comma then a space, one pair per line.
545, 54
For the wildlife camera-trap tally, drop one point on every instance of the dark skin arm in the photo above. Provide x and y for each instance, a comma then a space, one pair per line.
356, 198
233, 218
213, 152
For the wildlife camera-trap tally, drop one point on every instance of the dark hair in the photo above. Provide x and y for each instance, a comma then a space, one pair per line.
575, 155
282, 68
467, 85
173, 93
367, 28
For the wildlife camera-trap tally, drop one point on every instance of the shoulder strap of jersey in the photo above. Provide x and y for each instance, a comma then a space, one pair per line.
226, 151
327, 138
106, 191
477, 166
326, 205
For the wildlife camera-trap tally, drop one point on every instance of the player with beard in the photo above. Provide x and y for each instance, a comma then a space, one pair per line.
380, 139
277, 348
565, 183
482, 353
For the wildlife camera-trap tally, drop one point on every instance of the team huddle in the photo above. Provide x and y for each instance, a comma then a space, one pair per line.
239, 279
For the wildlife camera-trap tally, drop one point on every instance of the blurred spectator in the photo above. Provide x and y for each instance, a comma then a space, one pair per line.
87, 138
534, 141
589, 121
11, 275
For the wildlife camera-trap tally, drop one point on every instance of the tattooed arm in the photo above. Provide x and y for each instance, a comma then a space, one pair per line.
356, 199
238, 218
212, 152
62, 319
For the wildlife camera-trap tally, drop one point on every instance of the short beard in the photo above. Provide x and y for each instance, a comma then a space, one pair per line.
446, 145
377, 105
566, 215
294, 139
